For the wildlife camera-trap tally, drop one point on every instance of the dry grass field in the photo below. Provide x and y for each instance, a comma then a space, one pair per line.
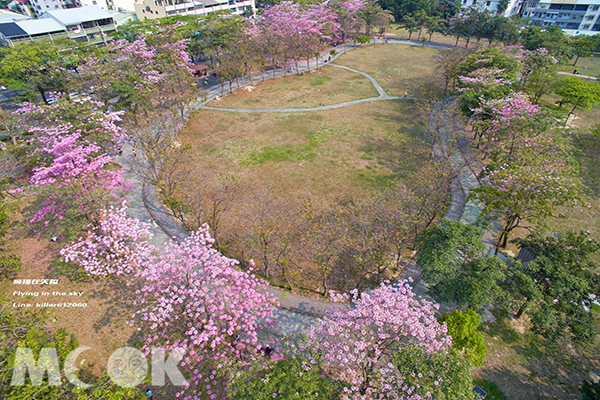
396, 68
328, 85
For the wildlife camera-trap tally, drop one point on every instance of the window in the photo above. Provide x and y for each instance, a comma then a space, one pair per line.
594, 8
590, 17
585, 27
488, 3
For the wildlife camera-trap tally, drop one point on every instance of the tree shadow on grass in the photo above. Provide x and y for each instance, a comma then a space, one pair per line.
551, 369
501, 383
587, 153
116, 299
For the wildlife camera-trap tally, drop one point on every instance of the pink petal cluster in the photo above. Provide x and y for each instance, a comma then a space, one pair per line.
118, 245
196, 299
360, 340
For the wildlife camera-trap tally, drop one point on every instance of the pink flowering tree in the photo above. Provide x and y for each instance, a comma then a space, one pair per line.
194, 298
487, 74
74, 184
90, 117
499, 123
361, 341
349, 16
72, 172
530, 182
117, 245
290, 32
135, 73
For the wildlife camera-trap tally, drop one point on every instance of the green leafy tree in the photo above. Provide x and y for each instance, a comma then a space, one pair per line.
590, 390
417, 366
451, 255
400, 9
552, 38
463, 327
528, 182
554, 289
34, 64
291, 379
583, 47
410, 24
577, 93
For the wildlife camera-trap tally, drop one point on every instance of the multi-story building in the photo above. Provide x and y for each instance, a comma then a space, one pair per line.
513, 7
41, 6
103, 4
85, 24
122, 5
574, 17
150, 9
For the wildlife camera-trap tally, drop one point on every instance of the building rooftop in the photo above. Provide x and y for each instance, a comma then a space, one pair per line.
40, 26
11, 29
74, 16
9, 16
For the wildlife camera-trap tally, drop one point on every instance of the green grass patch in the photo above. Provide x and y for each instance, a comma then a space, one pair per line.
585, 66
251, 101
288, 153
374, 178
320, 80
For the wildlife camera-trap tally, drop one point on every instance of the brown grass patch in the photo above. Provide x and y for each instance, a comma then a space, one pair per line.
101, 325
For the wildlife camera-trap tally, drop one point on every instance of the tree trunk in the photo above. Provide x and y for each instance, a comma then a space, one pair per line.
409, 34
457, 38
468, 39
522, 309
576, 59
419, 36
43, 93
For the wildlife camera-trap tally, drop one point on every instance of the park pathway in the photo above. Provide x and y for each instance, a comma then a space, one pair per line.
296, 314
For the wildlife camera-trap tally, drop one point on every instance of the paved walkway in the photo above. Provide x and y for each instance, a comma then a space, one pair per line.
578, 75
296, 313
382, 96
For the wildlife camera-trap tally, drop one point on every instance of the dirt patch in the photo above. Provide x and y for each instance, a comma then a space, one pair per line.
94, 310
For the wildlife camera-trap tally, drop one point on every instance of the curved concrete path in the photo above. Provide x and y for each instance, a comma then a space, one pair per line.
296, 313
382, 96
369, 77
320, 108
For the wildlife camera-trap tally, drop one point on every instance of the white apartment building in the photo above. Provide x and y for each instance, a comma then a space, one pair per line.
122, 5
574, 17
103, 4
151, 9
514, 6
41, 6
